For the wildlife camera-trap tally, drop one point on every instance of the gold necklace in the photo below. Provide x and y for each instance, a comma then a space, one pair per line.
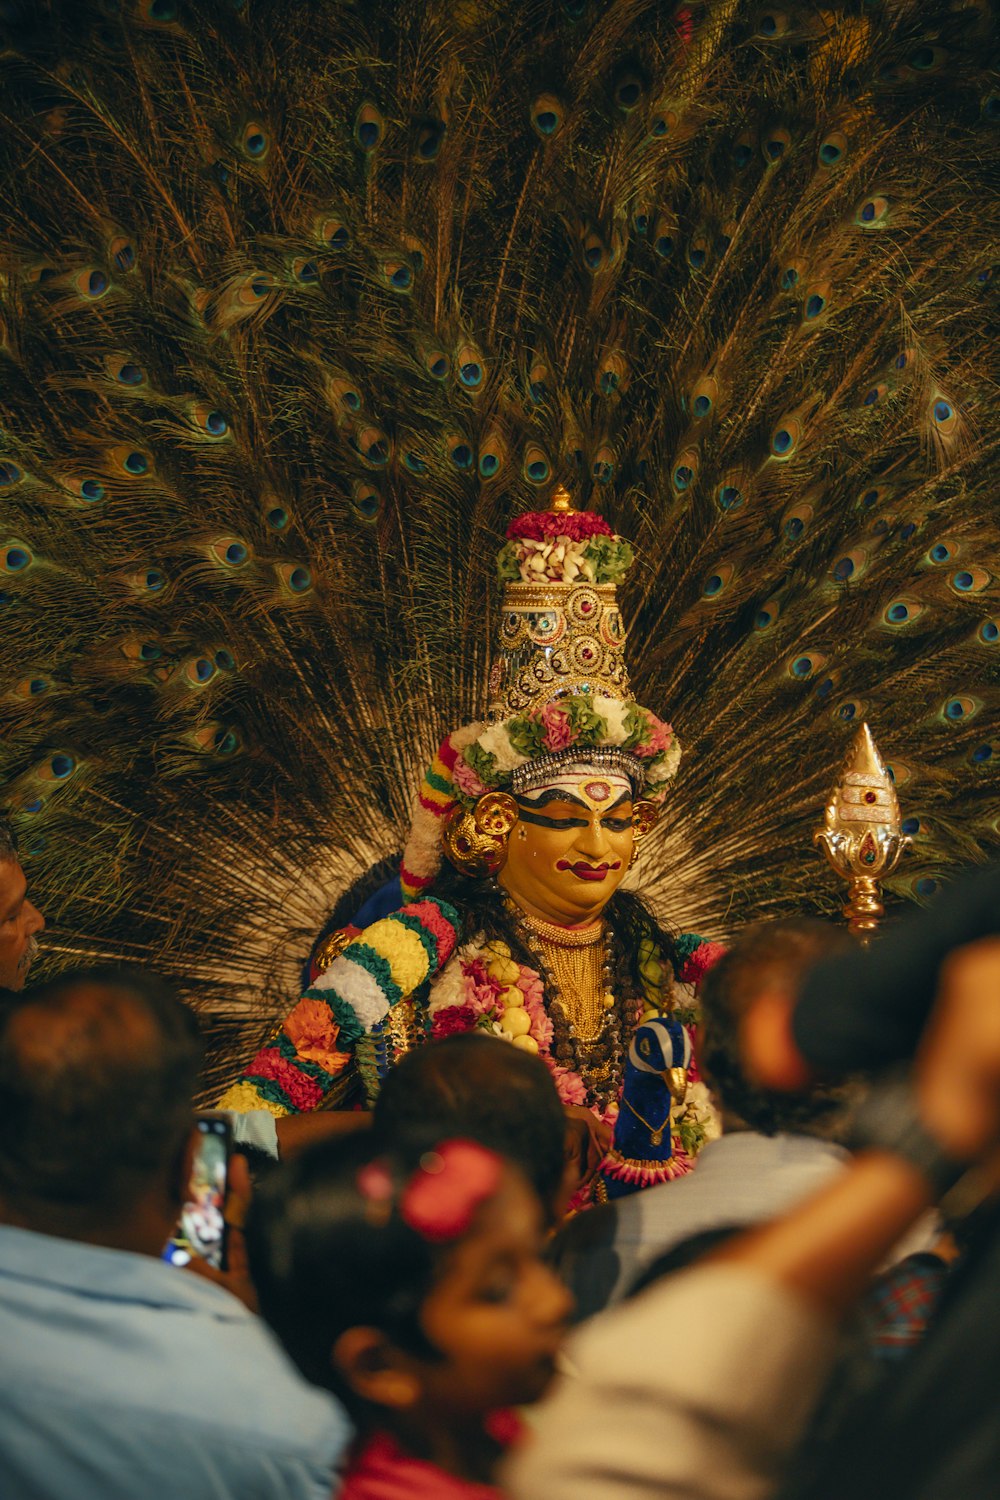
655, 1135
576, 959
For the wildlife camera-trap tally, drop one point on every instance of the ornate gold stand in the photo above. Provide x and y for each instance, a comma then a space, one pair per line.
863, 838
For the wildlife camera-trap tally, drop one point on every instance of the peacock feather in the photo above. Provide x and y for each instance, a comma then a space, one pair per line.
299, 307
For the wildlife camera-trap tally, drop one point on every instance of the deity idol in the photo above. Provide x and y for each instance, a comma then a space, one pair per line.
527, 931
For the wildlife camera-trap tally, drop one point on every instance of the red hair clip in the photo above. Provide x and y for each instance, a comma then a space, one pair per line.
441, 1198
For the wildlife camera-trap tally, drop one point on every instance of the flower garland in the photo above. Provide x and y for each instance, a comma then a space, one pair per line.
580, 721
294, 1071
561, 547
484, 988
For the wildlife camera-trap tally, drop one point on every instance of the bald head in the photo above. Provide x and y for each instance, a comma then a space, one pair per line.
97, 1073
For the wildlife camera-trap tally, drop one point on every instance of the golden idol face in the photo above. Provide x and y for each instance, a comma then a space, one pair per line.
571, 846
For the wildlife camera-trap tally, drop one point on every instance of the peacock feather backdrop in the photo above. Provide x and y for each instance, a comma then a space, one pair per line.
299, 306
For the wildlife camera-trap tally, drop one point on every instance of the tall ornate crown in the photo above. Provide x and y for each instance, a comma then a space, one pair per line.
558, 688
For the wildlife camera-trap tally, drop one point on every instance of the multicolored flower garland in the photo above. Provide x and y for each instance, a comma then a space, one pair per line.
391, 959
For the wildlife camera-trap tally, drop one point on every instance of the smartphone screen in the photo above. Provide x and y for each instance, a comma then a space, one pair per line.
202, 1226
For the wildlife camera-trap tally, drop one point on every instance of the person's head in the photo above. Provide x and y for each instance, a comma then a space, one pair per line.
20, 921
758, 974
97, 1073
482, 1087
408, 1281
572, 843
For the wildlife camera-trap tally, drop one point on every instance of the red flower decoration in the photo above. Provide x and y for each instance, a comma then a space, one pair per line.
697, 964
454, 1018
538, 525
304, 1093
441, 1198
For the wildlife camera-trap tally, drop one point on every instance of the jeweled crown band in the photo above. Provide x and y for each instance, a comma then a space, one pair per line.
538, 772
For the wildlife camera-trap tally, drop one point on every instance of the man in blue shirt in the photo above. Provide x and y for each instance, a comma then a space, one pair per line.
121, 1375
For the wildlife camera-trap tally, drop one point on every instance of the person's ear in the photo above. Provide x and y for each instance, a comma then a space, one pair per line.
768, 1052
375, 1369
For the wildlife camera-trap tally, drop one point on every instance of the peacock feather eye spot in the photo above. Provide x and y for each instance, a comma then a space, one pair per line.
815, 305
414, 463
538, 471
368, 504
17, 558
578, 457
225, 741
989, 632
955, 709
910, 826
641, 222
352, 400
136, 462
547, 121
697, 256
97, 283
872, 397
829, 153
308, 271
131, 374
155, 580
664, 245
609, 382
926, 886
256, 143
898, 613
162, 10
277, 518
299, 579
730, 498
92, 490
628, 94
713, 585
461, 456
940, 553
768, 25
982, 753
824, 688
794, 527
221, 174
62, 766
774, 149
603, 471
991, 107
10, 474
377, 451
907, 530
843, 569
789, 278
962, 581
338, 238
225, 660
923, 59
429, 141
236, 553
34, 806
439, 367
125, 258
260, 286
149, 651
702, 406
902, 360
471, 374
216, 424
402, 278
782, 440
741, 154
846, 711
683, 475
942, 411
802, 666
204, 669
489, 463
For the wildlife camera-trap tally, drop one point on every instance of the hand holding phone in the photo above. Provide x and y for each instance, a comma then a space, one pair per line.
201, 1230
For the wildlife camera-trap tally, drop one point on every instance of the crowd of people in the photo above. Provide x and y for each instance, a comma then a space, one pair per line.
405, 1308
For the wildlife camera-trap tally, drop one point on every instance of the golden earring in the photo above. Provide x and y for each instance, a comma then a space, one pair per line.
645, 816
476, 841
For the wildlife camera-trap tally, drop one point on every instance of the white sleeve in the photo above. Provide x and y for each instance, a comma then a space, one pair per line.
696, 1390
254, 1127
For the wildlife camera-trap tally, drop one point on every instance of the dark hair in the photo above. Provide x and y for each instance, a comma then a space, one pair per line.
324, 1258
769, 953
482, 1087
631, 922
97, 1071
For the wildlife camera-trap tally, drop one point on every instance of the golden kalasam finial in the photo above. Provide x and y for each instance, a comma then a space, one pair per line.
561, 500
863, 836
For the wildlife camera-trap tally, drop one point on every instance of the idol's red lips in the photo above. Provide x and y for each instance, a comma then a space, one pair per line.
588, 872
